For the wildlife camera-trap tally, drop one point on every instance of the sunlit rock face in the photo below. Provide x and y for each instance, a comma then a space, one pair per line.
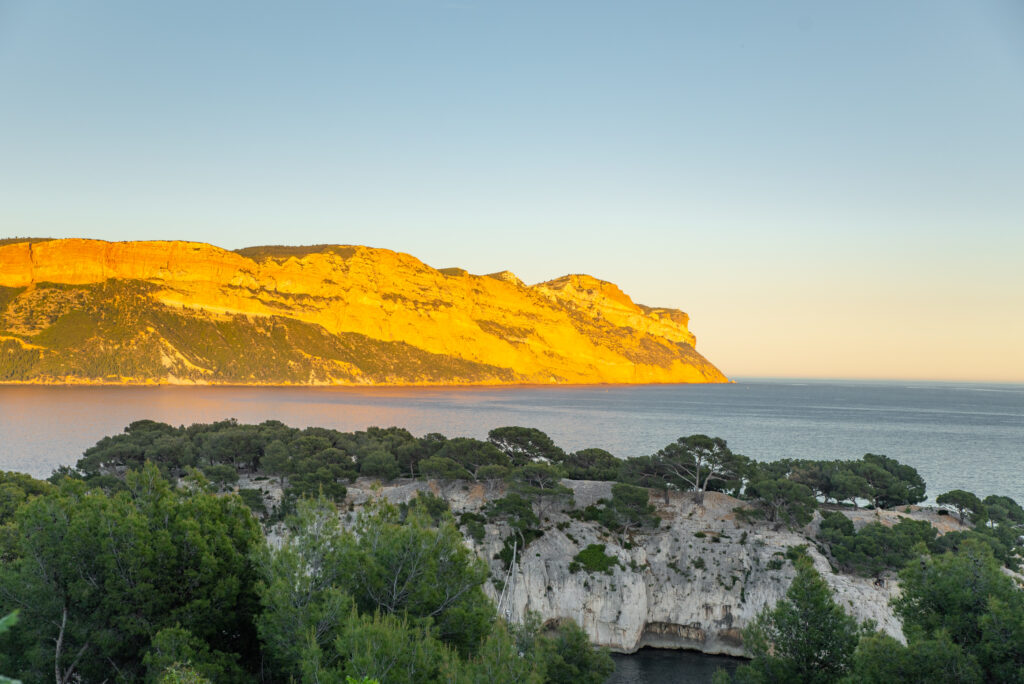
185, 312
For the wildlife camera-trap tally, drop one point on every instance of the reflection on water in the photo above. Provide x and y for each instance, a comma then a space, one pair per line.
930, 426
656, 666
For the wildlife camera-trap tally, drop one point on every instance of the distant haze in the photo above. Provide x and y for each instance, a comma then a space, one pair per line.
829, 190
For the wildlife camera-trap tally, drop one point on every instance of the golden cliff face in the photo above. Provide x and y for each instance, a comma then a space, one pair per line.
494, 329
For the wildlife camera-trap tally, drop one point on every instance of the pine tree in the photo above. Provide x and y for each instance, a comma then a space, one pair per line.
805, 638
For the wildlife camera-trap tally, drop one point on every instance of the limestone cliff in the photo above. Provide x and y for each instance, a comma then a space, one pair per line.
693, 583
184, 312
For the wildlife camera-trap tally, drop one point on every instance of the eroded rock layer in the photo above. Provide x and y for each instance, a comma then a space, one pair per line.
183, 312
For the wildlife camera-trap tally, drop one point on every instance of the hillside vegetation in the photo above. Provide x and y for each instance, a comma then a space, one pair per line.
147, 557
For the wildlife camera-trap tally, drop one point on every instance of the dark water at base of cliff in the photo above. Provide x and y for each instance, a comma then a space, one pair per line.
658, 666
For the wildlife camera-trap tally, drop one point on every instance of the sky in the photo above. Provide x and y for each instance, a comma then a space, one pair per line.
830, 190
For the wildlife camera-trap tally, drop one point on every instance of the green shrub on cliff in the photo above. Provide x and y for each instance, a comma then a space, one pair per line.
876, 547
594, 559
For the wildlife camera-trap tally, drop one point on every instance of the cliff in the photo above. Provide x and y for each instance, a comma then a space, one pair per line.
88, 311
694, 583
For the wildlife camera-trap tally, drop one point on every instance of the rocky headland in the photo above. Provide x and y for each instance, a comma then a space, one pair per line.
88, 311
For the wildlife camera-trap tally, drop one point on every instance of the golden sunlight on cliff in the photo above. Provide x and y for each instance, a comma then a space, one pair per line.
574, 329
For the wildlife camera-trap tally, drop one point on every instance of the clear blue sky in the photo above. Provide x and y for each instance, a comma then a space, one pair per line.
830, 189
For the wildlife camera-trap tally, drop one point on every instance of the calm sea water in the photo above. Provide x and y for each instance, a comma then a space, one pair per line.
654, 666
968, 436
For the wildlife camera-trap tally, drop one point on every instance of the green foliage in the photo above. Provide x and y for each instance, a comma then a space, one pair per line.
783, 501
883, 481
471, 454
302, 586
397, 600
253, 498
525, 445
409, 452
880, 659
420, 571
501, 660
280, 253
965, 503
796, 553
442, 468
591, 464
629, 509
223, 476
721, 676
16, 489
699, 463
1003, 509
7, 295
429, 504
98, 575
516, 543
318, 470
182, 674
569, 658
1003, 543
169, 589
594, 559
904, 486
876, 547
805, 637
276, 460
966, 596
70, 330
6, 622
493, 475
175, 649
632, 506
474, 524
383, 647
646, 471
513, 509
540, 484
379, 464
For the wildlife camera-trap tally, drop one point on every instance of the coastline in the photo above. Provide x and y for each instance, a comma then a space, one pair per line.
74, 382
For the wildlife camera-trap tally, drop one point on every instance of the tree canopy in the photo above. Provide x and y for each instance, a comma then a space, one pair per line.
804, 638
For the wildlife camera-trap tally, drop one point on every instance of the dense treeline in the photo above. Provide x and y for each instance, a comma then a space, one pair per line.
321, 461
159, 583
145, 562
315, 458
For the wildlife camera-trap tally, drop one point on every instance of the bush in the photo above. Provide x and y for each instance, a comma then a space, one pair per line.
875, 548
221, 475
253, 498
379, 464
474, 524
594, 559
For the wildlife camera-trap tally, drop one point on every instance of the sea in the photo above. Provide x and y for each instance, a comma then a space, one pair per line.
958, 435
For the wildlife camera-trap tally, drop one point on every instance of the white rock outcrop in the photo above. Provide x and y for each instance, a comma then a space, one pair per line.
693, 583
